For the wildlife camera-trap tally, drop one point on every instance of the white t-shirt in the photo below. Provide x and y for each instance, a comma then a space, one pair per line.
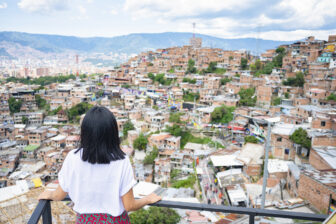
96, 188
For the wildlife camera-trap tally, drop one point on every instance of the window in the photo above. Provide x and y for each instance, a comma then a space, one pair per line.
279, 139
323, 123
286, 151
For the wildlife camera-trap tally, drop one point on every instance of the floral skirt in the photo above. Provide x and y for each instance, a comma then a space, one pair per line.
100, 218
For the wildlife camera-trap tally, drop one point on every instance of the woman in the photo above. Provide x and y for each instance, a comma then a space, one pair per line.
98, 176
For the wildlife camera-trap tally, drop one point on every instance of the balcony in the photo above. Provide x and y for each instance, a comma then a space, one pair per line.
44, 209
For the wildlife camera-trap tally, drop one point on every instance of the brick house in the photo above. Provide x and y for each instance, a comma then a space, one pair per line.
281, 145
264, 96
316, 187
323, 157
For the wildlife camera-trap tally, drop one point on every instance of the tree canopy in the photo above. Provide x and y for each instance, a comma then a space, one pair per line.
77, 110
45, 80
186, 183
251, 139
332, 96
243, 64
222, 114
175, 117
41, 103
154, 215
190, 96
247, 97
149, 159
297, 81
140, 142
14, 105
127, 127
300, 136
191, 81
191, 67
225, 80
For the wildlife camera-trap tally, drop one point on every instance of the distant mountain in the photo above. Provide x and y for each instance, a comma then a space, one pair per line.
132, 43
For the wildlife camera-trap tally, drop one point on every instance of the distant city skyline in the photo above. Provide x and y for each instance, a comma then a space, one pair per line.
273, 20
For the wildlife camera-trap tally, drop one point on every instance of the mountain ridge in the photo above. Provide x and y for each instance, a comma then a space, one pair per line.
131, 43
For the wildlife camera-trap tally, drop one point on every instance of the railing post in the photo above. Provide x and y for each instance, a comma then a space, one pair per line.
251, 219
47, 214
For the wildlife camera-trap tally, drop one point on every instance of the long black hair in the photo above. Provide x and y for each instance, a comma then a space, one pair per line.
99, 139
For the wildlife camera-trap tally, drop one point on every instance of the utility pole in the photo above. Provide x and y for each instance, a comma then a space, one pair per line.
266, 164
267, 146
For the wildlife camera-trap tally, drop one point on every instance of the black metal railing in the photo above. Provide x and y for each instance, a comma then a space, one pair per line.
43, 209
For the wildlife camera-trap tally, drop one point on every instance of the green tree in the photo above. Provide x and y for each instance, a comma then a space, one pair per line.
186, 183
151, 76
276, 101
247, 97
297, 81
42, 81
171, 70
14, 105
54, 112
127, 127
41, 103
286, 95
174, 173
250, 139
268, 68
149, 159
140, 142
225, 80
155, 215
211, 67
191, 81
175, 130
191, 67
243, 64
77, 110
222, 114
277, 60
300, 136
24, 120
332, 96
190, 96
175, 117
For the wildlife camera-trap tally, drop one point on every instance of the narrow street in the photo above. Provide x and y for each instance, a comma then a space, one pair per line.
209, 190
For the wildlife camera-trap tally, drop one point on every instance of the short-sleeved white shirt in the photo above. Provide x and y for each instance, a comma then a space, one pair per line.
96, 188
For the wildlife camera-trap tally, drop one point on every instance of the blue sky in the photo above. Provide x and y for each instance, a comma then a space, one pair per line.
267, 19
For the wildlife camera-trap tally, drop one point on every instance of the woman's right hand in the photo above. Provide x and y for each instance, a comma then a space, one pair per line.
152, 198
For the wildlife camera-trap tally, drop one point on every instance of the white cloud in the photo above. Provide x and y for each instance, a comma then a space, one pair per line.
113, 12
293, 35
43, 6
82, 9
178, 8
3, 5
295, 18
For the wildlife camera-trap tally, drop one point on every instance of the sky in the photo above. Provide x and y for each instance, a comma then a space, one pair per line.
266, 19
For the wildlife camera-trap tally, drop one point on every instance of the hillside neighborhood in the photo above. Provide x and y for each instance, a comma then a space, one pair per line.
197, 123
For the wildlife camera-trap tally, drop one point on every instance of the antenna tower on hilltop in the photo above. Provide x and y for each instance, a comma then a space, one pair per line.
194, 26
77, 68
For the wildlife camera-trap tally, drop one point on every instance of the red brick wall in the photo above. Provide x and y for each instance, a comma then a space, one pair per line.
317, 123
315, 193
317, 162
253, 170
324, 141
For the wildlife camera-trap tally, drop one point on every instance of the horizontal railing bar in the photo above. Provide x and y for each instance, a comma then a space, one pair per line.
35, 217
241, 210
208, 207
